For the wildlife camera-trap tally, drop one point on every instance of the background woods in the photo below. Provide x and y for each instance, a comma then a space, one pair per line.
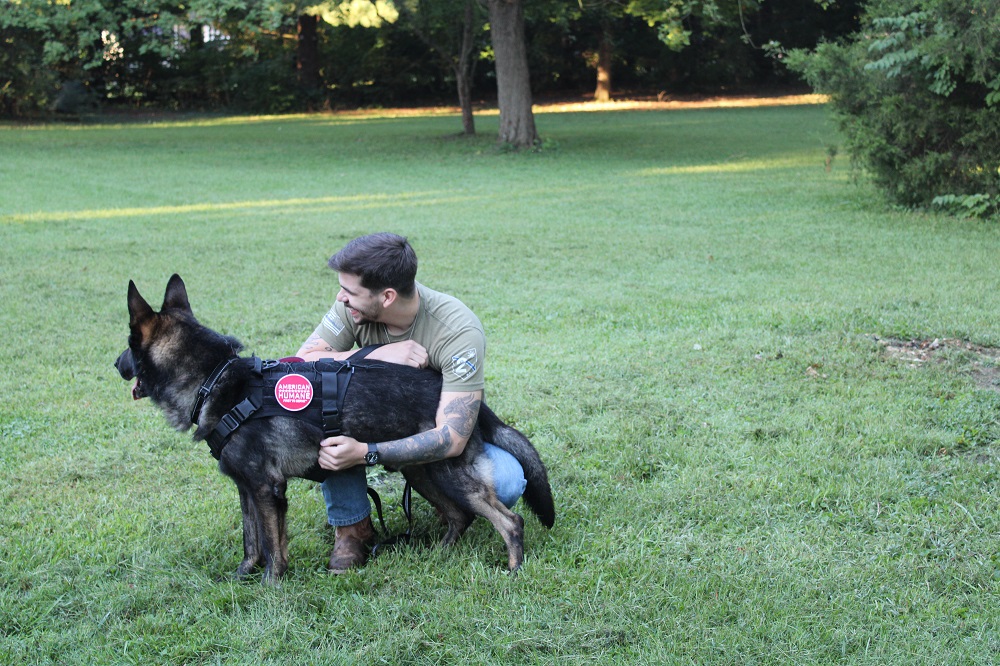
266, 56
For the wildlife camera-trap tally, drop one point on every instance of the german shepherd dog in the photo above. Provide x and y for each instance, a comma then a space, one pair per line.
171, 355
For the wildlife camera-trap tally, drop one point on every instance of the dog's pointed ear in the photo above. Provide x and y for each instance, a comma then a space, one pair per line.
176, 296
138, 309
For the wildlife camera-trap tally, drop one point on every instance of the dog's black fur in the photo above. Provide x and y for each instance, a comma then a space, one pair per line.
170, 355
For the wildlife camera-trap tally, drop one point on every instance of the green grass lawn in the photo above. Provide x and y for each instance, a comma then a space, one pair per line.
713, 341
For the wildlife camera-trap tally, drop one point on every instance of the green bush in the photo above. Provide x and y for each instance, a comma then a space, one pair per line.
916, 91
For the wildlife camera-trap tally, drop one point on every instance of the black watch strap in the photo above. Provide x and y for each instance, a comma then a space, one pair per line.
371, 458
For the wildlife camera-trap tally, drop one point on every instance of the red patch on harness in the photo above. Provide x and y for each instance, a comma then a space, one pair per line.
293, 392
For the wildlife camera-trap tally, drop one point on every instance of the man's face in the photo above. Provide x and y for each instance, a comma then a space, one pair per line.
364, 305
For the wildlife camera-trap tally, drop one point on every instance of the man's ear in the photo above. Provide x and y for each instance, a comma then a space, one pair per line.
388, 296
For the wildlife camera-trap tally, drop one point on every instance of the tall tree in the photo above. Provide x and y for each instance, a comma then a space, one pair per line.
450, 28
517, 120
307, 54
605, 52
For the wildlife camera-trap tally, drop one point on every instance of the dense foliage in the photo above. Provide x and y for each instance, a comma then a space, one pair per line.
241, 55
917, 94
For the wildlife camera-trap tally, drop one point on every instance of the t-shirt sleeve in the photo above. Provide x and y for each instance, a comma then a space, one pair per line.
462, 361
337, 328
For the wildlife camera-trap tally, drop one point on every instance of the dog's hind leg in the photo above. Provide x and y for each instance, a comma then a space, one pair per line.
457, 518
480, 500
252, 552
458, 521
510, 526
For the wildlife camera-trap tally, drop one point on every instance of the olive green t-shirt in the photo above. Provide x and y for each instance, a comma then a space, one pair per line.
451, 333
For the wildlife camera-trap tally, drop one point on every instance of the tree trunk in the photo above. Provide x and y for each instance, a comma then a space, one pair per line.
307, 53
464, 82
463, 71
197, 36
603, 91
517, 122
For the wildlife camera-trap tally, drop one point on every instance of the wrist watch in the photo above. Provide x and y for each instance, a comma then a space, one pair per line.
371, 458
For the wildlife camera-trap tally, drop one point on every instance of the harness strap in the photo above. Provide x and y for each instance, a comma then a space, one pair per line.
334, 392
364, 351
208, 385
235, 417
228, 423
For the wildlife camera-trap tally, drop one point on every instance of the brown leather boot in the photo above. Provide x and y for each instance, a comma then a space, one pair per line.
350, 549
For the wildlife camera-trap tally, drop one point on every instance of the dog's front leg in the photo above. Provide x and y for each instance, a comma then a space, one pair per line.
252, 551
272, 508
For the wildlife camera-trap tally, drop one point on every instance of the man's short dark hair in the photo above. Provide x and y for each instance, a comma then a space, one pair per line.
381, 260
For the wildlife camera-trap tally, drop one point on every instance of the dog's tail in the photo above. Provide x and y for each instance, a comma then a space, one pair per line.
538, 493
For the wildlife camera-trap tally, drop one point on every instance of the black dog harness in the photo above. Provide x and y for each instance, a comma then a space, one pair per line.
313, 391
328, 381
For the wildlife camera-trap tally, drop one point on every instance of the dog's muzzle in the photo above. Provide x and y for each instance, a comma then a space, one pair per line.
125, 365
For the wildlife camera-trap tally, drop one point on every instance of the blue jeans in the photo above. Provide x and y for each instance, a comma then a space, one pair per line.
346, 492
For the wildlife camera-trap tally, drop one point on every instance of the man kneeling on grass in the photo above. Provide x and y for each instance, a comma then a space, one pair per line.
380, 303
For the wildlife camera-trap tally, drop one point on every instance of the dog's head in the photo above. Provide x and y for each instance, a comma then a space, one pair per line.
145, 326
169, 353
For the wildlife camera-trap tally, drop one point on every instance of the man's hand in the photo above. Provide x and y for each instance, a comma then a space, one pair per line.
338, 453
406, 352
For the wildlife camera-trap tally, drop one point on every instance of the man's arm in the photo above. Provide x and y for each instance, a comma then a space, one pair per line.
315, 347
456, 419
406, 352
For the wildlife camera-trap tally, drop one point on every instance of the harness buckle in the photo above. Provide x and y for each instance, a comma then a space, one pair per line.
244, 409
229, 422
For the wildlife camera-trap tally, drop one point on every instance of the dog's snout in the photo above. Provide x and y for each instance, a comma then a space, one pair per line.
125, 366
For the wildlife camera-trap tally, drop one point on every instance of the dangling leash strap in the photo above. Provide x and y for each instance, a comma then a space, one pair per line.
403, 537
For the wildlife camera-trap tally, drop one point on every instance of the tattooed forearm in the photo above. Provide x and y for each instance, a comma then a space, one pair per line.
423, 448
459, 421
317, 343
315, 347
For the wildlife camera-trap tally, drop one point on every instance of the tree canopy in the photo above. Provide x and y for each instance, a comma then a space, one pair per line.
245, 55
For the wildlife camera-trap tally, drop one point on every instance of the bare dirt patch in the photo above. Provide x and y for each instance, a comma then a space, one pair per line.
984, 365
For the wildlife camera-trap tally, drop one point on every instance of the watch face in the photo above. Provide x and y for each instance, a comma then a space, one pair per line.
371, 457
